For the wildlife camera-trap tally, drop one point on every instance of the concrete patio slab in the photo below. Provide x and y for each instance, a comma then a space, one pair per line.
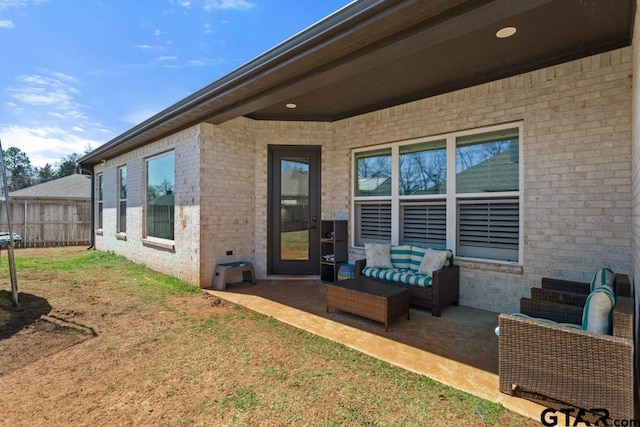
458, 349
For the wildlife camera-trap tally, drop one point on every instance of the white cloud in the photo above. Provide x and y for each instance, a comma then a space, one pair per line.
6, 23
56, 90
45, 144
67, 78
166, 58
192, 63
158, 33
10, 4
210, 5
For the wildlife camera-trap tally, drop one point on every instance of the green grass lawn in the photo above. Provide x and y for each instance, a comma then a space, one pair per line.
166, 353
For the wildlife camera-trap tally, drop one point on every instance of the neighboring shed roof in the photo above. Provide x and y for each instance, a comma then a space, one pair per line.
73, 187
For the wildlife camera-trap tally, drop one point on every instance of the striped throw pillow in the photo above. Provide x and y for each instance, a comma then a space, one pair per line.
401, 256
604, 276
417, 254
597, 315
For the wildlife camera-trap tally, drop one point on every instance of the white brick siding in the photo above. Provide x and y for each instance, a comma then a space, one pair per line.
184, 261
576, 159
635, 171
577, 195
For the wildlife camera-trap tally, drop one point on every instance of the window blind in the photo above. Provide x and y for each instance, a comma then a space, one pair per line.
374, 222
424, 222
489, 228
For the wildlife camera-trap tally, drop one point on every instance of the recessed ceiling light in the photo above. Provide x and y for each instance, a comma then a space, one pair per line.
291, 105
505, 32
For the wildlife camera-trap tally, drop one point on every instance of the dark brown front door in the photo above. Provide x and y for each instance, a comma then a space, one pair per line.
294, 210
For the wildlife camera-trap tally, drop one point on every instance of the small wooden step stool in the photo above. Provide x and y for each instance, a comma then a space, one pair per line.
223, 271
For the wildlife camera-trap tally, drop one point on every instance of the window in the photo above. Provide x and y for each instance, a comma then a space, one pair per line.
122, 199
488, 184
160, 202
99, 190
459, 191
373, 184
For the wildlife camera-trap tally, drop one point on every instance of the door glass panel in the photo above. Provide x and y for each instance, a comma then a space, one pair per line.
294, 209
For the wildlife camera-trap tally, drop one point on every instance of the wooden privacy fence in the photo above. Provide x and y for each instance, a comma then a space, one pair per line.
49, 222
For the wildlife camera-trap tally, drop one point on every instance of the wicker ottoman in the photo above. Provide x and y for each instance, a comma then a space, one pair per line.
368, 298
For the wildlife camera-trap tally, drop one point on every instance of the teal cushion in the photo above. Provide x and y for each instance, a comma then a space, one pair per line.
417, 254
597, 315
416, 279
384, 273
401, 256
403, 275
604, 276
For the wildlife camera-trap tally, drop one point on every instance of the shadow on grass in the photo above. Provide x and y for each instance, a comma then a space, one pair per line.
14, 319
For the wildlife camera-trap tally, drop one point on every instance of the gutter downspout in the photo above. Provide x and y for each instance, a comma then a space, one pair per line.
84, 171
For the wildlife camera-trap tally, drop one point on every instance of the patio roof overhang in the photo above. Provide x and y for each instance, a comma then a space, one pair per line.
373, 54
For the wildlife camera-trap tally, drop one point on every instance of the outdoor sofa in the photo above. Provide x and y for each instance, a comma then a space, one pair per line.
544, 358
430, 276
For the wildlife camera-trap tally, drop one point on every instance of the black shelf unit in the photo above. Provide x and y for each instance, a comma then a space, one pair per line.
333, 241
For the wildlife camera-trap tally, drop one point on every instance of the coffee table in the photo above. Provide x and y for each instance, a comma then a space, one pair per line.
368, 298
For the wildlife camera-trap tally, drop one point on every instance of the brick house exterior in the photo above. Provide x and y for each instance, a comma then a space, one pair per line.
579, 189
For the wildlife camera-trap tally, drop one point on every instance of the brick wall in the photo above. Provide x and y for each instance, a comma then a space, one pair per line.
577, 177
635, 218
576, 158
183, 262
228, 198
284, 133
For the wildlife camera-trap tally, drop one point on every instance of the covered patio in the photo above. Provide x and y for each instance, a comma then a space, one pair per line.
459, 348
391, 83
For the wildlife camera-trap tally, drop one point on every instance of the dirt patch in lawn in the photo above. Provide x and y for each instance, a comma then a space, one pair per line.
99, 341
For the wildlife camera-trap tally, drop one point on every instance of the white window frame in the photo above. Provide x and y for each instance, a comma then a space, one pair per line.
160, 242
99, 202
121, 228
451, 196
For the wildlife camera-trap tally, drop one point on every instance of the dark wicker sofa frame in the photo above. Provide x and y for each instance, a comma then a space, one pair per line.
444, 289
548, 362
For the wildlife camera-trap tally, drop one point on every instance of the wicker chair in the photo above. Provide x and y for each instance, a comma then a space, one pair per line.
559, 366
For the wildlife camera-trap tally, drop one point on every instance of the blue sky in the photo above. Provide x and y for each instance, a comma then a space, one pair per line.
76, 73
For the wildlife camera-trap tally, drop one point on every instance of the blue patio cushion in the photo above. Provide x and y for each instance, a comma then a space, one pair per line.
402, 275
401, 256
597, 315
346, 271
604, 276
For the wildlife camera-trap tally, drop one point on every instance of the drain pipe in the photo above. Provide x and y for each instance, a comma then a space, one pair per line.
84, 171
